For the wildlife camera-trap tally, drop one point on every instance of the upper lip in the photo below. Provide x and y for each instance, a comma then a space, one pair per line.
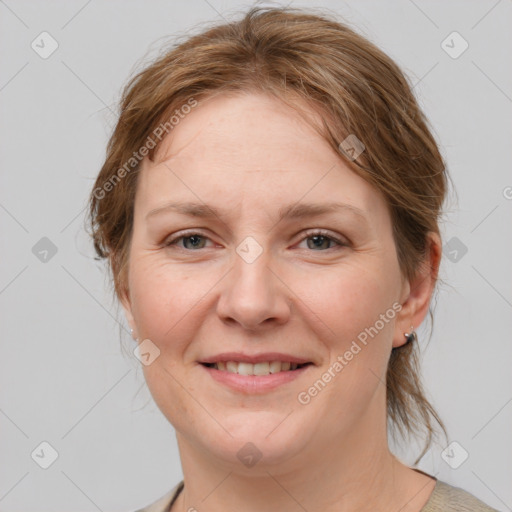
254, 358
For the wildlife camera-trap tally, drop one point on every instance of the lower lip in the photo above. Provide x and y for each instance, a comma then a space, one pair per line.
255, 383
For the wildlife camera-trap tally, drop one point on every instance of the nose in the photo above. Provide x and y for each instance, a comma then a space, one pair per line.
254, 295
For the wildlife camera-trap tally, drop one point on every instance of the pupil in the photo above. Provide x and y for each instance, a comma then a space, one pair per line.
194, 239
316, 239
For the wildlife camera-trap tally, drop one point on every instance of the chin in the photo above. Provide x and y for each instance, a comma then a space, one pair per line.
258, 439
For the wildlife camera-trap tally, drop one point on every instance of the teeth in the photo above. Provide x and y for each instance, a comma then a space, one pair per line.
275, 366
261, 368
245, 368
265, 368
231, 367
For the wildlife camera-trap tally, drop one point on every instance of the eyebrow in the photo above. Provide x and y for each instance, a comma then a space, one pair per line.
292, 211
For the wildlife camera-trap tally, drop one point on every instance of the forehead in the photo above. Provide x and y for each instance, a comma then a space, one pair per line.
248, 125
254, 149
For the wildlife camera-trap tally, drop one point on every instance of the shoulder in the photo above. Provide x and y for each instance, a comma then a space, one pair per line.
444, 498
163, 503
447, 498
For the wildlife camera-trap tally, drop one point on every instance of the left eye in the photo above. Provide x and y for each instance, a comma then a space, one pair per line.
320, 240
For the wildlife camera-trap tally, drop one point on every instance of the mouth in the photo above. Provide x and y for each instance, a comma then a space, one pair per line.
257, 369
255, 378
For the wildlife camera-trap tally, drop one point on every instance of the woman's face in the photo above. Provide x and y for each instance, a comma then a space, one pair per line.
257, 279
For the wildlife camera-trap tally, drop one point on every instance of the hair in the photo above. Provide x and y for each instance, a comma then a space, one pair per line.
358, 91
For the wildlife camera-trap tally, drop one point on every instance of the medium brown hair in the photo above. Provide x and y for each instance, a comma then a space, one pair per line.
357, 89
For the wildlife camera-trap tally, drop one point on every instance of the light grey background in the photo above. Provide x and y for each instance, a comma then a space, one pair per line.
63, 376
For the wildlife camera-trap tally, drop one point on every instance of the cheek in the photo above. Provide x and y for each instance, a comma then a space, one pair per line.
353, 299
164, 301
357, 307
167, 308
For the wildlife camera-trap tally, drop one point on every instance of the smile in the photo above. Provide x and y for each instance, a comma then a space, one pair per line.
255, 378
263, 368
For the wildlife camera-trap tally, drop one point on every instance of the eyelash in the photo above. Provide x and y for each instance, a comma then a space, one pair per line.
309, 234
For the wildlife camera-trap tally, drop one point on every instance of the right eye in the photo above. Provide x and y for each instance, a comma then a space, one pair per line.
193, 239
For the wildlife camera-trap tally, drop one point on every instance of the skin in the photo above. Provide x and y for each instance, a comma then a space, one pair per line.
251, 155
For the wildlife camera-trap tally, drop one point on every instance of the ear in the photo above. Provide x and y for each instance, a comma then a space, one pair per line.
126, 304
416, 294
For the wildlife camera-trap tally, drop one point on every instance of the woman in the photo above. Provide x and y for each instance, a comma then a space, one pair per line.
269, 207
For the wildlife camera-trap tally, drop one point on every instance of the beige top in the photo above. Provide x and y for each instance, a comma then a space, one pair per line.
444, 498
